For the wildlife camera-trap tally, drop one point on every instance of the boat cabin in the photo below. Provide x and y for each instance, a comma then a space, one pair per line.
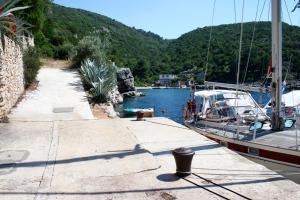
226, 105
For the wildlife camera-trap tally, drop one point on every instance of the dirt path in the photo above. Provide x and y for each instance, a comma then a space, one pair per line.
56, 64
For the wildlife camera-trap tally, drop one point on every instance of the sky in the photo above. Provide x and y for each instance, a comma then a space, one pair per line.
172, 18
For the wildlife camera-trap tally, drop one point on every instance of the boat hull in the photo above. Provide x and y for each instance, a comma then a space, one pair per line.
274, 154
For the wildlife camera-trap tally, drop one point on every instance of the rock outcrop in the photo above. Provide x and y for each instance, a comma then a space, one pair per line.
125, 80
109, 110
133, 94
114, 96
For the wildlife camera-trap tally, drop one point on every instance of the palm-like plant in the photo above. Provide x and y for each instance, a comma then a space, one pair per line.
101, 77
10, 25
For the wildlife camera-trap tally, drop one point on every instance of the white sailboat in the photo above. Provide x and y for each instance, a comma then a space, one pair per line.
234, 119
290, 104
222, 108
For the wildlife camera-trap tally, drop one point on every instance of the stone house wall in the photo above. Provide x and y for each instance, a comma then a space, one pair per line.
11, 74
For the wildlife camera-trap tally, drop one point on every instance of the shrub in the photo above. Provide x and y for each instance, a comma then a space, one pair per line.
31, 60
43, 44
46, 50
91, 47
100, 77
65, 51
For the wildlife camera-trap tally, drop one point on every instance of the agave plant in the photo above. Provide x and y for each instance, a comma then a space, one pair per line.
101, 77
10, 25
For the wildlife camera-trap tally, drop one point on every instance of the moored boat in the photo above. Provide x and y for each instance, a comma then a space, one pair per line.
130, 112
238, 123
236, 120
290, 104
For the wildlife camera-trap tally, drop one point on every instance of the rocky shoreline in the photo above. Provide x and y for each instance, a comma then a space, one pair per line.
125, 87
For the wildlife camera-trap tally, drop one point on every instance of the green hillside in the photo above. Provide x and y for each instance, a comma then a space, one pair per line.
191, 48
128, 46
148, 55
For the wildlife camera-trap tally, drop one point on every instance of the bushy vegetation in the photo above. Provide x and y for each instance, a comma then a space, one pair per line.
148, 55
65, 51
31, 60
36, 15
90, 47
100, 77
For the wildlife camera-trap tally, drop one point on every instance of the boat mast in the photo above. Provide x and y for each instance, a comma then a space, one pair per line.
277, 115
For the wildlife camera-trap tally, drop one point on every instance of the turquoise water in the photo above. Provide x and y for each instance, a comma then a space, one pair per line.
168, 102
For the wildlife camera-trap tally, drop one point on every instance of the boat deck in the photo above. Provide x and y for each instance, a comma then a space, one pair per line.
284, 139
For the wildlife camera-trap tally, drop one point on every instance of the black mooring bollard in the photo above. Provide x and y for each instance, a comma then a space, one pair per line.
139, 115
183, 158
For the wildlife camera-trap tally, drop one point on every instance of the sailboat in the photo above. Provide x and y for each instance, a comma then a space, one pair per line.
290, 102
233, 118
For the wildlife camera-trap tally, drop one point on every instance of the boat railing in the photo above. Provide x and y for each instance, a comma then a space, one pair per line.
234, 86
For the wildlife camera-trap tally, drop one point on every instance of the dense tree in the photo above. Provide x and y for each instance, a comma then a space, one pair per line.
36, 16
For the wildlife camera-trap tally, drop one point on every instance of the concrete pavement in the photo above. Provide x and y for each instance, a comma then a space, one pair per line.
124, 159
212, 162
54, 149
59, 96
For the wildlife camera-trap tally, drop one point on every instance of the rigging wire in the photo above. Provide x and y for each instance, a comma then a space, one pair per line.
269, 10
297, 146
234, 5
287, 10
288, 69
291, 22
239, 66
253, 35
235, 21
299, 17
267, 75
262, 10
251, 44
209, 41
240, 46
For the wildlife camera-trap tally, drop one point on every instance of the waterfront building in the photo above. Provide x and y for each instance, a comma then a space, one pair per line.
168, 80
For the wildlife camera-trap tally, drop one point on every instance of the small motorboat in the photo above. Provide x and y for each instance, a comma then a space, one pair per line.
130, 112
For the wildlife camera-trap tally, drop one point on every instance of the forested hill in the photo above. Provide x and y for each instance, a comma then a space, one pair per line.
191, 48
148, 55
127, 46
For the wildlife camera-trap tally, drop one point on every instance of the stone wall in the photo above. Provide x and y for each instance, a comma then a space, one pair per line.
11, 74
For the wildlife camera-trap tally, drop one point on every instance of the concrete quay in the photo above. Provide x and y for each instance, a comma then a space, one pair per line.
125, 159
